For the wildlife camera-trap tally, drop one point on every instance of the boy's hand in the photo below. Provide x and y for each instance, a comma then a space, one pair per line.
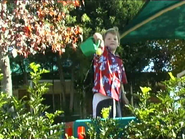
97, 36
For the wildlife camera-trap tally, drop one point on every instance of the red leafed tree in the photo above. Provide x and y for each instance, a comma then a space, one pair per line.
29, 27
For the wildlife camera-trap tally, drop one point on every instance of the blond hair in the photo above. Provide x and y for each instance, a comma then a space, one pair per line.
114, 31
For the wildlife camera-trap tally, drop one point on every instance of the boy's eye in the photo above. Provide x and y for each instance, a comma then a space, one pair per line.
112, 38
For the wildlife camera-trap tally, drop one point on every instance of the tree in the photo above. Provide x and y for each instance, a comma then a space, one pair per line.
107, 13
175, 49
29, 27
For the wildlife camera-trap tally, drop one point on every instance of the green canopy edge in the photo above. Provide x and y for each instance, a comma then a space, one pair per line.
152, 17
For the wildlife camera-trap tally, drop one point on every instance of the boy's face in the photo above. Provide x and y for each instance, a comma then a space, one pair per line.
111, 41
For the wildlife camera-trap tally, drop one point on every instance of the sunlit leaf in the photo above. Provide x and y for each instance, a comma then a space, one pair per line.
171, 75
145, 89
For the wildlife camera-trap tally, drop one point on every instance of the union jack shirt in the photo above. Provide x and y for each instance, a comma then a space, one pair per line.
109, 73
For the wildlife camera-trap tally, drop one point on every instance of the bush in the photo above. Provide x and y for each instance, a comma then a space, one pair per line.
26, 118
106, 128
163, 120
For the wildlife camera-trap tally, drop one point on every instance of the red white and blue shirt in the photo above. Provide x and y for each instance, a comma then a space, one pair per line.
109, 74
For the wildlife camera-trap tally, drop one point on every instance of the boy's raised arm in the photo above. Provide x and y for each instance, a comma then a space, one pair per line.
97, 36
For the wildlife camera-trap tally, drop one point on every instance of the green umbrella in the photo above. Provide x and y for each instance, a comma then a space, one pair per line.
157, 20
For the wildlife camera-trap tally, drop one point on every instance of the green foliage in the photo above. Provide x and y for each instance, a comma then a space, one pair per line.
85, 18
104, 129
173, 50
26, 118
165, 119
136, 56
108, 13
69, 137
105, 112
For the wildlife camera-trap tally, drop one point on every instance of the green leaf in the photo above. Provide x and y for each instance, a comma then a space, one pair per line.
85, 18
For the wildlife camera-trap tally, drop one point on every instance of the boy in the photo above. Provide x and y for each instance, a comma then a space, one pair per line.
109, 75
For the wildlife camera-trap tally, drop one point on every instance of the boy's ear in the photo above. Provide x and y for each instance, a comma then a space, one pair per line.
118, 44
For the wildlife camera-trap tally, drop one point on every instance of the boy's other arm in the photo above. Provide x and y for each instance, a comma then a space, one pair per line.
123, 93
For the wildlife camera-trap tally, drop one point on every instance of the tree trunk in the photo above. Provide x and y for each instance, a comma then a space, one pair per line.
23, 69
132, 97
53, 95
7, 79
84, 105
62, 81
53, 89
72, 90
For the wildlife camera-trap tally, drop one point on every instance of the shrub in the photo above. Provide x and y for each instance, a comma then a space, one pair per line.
27, 118
163, 120
106, 128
